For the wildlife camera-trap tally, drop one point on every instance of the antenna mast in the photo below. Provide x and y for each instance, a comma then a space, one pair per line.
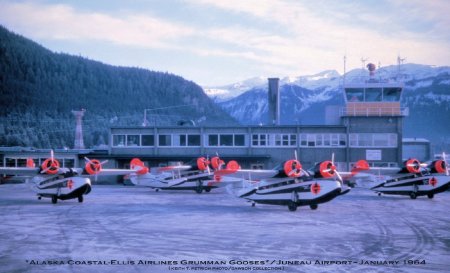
399, 63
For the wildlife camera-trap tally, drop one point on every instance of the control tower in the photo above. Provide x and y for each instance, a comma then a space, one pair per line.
374, 118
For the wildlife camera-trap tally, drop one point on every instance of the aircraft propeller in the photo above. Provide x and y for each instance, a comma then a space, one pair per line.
50, 165
94, 166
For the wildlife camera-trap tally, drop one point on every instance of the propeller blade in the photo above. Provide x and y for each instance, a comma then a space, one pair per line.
445, 163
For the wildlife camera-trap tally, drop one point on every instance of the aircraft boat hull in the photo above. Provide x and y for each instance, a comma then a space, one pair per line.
414, 185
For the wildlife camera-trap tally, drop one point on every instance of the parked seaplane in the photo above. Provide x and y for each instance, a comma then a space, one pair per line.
51, 181
179, 177
292, 186
415, 179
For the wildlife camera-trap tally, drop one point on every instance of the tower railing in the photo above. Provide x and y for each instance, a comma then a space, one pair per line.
373, 111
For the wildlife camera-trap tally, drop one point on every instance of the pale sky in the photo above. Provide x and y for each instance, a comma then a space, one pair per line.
216, 42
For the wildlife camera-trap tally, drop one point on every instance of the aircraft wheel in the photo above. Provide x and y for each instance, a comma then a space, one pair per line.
253, 204
39, 197
54, 199
157, 190
80, 199
208, 189
292, 206
198, 190
379, 194
413, 195
430, 195
313, 206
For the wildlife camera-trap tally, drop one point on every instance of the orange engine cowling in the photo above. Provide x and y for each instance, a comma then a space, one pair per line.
202, 163
412, 165
30, 163
216, 163
326, 169
93, 167
293, 168
361, 165
233, 165
137, 164
50, 166
438, 166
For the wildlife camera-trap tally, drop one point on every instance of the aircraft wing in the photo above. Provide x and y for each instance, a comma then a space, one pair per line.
170, 168
247, 174
106, 172
116, 172
22, 171
390, 171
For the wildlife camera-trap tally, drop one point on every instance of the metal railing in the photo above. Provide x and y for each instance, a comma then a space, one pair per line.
374, 111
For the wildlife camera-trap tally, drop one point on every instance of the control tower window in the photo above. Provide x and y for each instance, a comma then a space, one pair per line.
391, 94
355, 94
373, 94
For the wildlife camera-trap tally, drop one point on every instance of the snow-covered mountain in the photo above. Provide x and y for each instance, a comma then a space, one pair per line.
305, 98
222, 93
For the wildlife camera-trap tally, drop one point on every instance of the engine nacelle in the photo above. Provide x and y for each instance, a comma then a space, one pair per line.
50, 166
325, 169
93, 167
233, 165
217, 163
202, 163
437, 166
30, 163
292, 168
138, 165
361, 165
412, 165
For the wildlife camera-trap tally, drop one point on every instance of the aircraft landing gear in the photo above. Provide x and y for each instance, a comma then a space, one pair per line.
292, 206
413, 194
80, 199
253, 204
313, 206
430, 195
207, 189
379, 194
199, 188
156, 190
54, 199
39, 197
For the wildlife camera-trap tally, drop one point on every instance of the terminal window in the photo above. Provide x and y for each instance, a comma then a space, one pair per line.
133, 140
148, 140
165, 140
373, 94
119, 140
355, 94
259, 140
189, 140
392, 94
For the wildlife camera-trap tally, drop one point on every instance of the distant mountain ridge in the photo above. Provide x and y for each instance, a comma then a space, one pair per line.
39, 89
305, 98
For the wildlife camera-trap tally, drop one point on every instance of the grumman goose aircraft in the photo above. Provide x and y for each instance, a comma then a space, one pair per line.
51, 181
181, 177
415, 179
292, 186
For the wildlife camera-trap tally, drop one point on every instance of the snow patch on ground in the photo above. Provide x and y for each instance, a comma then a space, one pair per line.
129, 224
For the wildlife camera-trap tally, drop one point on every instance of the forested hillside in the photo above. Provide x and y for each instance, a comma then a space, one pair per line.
39, 89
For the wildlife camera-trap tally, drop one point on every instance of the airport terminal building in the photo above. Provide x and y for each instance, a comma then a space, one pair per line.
368, 127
